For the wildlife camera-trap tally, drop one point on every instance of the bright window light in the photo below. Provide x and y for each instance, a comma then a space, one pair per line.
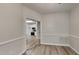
30, 21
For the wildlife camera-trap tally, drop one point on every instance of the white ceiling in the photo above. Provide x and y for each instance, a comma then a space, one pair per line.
44, 8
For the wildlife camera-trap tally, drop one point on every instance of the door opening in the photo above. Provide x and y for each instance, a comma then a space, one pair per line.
32, 32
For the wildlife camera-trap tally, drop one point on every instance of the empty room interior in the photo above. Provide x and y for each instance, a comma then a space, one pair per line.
39, 28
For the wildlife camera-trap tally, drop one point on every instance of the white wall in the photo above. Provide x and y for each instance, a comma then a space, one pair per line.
55, 28
29, 13
11, 29
74, 28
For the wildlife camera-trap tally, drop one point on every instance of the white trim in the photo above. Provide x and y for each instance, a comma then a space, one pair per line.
74, 36
74, 49
57, 44
24, 51
5, 42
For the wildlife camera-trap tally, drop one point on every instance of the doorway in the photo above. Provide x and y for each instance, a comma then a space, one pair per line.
32, 33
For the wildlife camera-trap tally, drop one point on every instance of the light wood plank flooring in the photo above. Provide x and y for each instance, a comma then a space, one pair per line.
50, 50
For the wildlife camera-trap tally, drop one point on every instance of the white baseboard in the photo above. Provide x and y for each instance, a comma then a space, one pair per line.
24, 51
74, 49
57, 44
75, 36
8, 41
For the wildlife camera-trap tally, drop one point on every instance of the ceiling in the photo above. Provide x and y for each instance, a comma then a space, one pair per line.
44, 8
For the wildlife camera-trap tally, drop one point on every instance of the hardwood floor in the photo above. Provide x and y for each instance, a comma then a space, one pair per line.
35, 48
50, 50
